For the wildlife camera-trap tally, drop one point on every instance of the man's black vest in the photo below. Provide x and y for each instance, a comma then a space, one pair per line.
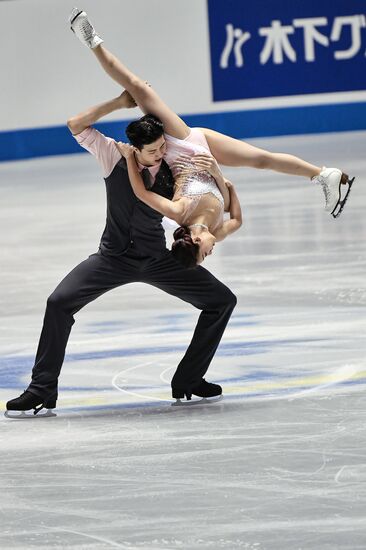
131, 223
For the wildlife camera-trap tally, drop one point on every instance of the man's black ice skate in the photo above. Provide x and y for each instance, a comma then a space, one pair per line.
21, 406
209, 393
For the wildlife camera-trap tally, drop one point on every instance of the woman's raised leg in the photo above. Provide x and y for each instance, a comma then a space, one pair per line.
144, 95
233, 152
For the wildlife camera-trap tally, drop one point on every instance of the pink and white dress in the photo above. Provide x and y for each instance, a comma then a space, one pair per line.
192, 183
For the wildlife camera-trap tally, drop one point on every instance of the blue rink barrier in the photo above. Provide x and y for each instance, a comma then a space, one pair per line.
310, 119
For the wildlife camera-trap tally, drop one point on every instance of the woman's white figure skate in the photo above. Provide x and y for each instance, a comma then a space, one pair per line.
84, 30
332, 180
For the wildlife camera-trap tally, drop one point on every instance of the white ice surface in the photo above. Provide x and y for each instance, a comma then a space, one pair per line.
280, 463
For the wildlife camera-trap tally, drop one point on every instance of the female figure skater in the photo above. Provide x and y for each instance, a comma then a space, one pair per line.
200, 198
226, 150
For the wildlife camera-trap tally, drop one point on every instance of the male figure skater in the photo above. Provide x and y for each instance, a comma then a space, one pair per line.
132, 249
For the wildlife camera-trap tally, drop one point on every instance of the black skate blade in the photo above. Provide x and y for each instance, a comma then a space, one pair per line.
22, 415
339, 207
195, 402
74, 18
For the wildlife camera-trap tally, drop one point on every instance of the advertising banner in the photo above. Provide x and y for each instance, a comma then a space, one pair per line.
271, 48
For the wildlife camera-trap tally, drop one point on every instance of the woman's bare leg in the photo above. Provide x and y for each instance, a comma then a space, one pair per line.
144, 95
146, 98
116, 70
233, 152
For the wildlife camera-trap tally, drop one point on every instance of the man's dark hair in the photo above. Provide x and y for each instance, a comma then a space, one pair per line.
146, 130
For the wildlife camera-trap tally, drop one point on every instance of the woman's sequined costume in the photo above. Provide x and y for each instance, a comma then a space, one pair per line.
190, 182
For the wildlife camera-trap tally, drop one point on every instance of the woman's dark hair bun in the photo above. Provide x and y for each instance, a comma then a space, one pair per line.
184, 250
180, 232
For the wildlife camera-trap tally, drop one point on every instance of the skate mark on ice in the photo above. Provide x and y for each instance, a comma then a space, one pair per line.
162, 375
351, 473
94, 537
343, 374
128, 392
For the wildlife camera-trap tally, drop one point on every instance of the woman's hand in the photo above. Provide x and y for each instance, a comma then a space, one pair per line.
125, 149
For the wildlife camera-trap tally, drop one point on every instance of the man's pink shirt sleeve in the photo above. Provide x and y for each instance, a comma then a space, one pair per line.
103, 148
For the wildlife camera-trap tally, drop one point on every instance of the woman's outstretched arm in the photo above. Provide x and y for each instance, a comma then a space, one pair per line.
146, 98
171, 209
236, 220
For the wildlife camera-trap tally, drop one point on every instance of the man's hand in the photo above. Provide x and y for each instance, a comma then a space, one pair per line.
208, 163
125, 149
199, 162
126, 100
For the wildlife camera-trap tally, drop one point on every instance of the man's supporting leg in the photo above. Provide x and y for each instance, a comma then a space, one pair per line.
83, 284
201, 289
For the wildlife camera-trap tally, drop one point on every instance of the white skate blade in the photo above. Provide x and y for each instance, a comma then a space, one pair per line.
200, 401
22, 415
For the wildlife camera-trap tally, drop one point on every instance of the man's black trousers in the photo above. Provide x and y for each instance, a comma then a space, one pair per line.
100, 273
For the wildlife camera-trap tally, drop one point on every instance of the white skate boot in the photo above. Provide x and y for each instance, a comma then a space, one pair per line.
331, 180
84, 30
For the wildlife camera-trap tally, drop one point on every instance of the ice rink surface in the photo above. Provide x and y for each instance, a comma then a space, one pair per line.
280, 463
